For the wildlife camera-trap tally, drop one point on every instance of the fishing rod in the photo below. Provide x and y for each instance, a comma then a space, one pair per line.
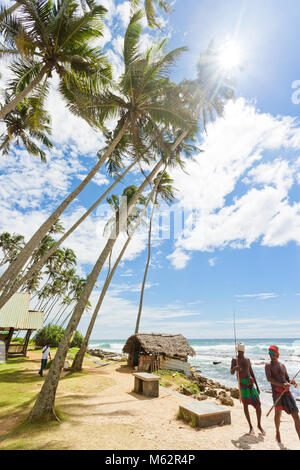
236, 358
282, 393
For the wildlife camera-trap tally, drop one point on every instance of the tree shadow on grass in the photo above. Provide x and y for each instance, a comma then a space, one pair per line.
25, 429
18, 410
18, 376
17, 360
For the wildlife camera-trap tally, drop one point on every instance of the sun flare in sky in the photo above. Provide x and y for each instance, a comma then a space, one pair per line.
230, 55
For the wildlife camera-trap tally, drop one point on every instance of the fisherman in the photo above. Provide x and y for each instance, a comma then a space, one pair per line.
249, 394
279, 379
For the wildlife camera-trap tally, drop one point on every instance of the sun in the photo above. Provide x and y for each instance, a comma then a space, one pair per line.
230, 55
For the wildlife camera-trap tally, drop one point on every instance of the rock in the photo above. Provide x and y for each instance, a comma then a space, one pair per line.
234, 393
218, 385
201, 387
210, 392
227, 389
222, 393
112, 356
200, 379
201, 397
226, 401
185, 391
215, 363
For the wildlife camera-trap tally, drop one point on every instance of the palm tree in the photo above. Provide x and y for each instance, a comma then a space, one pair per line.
133, 223
52, 36
11, 245
160, 117
25, 124
44, 405
143, 90
165, 191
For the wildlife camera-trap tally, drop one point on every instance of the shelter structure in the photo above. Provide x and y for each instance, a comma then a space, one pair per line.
148, 352
15, 315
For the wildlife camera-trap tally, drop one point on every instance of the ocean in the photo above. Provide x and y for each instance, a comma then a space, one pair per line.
222, 351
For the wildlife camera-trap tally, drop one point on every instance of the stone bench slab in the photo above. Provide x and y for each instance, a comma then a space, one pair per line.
203, 415
145, 376
147, 384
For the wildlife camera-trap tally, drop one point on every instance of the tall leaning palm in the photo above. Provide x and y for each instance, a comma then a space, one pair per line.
28, 124
141, 97
128, 228
44, 405
165, 191
51, 36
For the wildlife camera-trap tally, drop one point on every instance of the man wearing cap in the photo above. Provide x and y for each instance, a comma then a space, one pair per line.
249, 394
278, 377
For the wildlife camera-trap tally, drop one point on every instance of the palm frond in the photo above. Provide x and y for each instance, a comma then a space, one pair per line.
132, 38
24, 72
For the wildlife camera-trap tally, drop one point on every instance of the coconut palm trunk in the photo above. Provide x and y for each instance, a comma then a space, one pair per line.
8, 292
146, 269
78, 360
44, 405
15, 267
11, 105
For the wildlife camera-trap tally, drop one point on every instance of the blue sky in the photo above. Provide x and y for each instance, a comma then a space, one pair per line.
243, 252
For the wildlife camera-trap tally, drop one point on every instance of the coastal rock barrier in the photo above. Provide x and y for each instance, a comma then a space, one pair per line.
209, 388
107, 355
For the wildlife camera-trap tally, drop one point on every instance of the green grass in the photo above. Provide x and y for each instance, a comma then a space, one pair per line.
20, 385
172, 379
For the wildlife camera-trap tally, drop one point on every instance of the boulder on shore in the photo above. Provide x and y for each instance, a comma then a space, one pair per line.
234, 393
112, 356
228, 401
211, 392
185, 391
201, 397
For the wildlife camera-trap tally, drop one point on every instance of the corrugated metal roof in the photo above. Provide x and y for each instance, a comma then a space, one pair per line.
15, 314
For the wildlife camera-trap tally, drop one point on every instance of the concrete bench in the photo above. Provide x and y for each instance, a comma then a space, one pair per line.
147, 384
203, 415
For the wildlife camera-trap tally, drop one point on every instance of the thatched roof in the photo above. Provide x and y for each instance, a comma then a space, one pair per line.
171, 345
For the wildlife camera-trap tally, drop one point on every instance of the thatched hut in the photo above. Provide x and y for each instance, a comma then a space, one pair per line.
153, 351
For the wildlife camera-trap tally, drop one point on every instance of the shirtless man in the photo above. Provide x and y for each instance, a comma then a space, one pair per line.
249, 394
278, 377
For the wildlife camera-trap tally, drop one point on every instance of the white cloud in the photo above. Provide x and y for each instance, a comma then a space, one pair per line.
212, 261
252, 150
70, 129
123, 11
262, 296
179, 258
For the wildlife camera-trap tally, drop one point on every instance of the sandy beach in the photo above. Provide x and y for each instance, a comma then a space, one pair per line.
102, 412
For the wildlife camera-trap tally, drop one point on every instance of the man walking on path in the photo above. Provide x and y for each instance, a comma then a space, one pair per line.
278, 377
45, 355
249, 394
